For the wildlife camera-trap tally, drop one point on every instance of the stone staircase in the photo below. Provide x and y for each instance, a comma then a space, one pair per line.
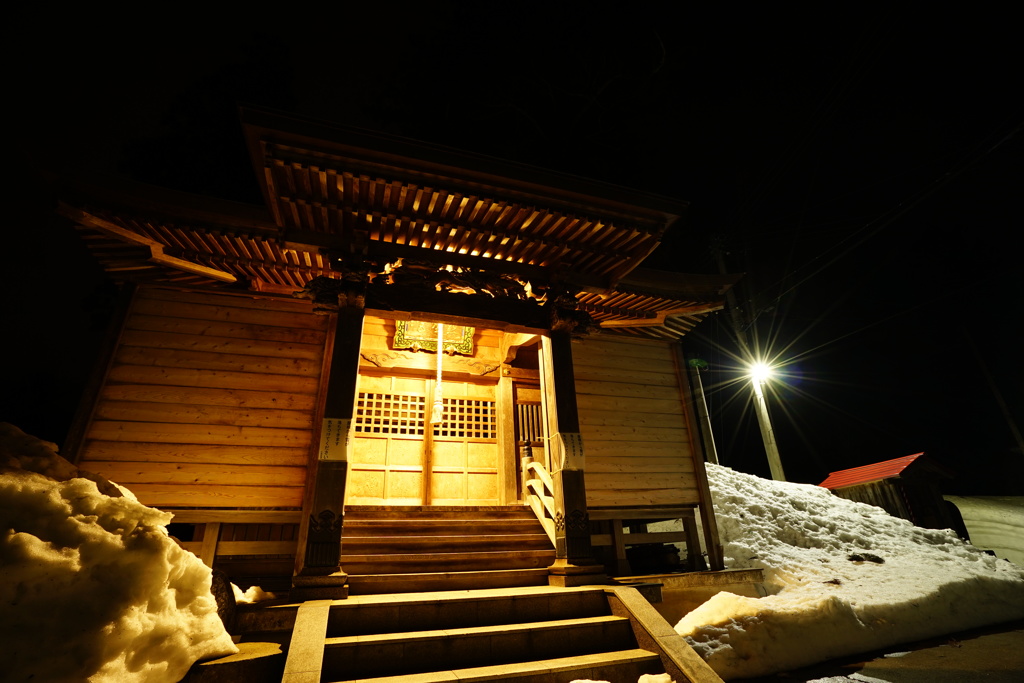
453, 594
401, 549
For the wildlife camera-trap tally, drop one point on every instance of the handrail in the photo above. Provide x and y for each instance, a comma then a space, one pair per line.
540, 494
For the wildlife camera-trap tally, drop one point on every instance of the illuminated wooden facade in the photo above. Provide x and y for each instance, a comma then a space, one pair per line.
263, 374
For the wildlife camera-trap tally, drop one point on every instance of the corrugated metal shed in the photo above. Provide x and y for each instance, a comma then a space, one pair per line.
869, 473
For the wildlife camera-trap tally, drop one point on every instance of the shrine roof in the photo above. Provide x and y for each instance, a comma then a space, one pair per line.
322, 181
327, 198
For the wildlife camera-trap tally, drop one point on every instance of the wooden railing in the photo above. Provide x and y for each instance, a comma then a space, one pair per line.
539, 493
240, 532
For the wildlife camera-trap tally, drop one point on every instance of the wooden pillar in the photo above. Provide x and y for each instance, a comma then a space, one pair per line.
574, 558
318, 571
716, 560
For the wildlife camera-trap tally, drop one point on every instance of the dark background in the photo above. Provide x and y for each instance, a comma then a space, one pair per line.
864, 169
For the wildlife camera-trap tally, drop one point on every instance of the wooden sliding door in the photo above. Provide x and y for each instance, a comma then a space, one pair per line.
399, 458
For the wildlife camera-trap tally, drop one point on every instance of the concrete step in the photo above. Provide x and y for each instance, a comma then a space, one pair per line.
376, 614
380, 613
442, 542
461, 648
396, 563
415, 582
621, 665
359, 512
428, 526
492, 546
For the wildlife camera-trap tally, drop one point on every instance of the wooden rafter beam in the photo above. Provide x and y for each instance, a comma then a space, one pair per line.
156, 250
491, 229
659, 318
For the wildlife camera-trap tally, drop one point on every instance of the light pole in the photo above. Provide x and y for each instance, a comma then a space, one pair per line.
759, 372
696, 365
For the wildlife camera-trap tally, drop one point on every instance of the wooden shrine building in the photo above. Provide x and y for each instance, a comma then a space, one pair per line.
404, 337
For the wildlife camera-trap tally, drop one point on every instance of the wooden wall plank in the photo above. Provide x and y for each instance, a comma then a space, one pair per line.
139, 411
209, 401
99, 450
605, 345
202, 396
237, 516
189, 474
228, 548
650, 406
599, 448
198, 434
205, 360
641, 480
195, 311
622, 389
634, 434
637, 375
235, 329
632, 421
633, 463
632, 418
222, 379
175, 495
234, 345
637, 498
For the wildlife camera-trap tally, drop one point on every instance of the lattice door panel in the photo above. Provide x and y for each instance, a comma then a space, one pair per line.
466, 418
389, 455
390, 414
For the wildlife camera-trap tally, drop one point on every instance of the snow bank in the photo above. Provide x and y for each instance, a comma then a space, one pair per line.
251, 595
93, 587
995, 523
842, 578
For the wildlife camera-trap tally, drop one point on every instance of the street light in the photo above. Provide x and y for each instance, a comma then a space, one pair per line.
759, 373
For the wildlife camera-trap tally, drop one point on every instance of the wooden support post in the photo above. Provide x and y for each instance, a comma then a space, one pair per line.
508, 455
716, 561
622, 567
574, 557
694, 558
319, 574
211, 535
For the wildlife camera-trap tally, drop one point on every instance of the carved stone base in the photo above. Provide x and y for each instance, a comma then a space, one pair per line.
319, 587
564, 574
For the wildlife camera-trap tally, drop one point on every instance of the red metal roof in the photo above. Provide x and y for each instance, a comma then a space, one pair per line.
869, 473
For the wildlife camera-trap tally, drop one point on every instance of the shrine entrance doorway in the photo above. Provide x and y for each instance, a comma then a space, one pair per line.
405, 450
399, 457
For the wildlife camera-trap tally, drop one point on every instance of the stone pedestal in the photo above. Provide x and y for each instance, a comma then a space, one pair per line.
307, 586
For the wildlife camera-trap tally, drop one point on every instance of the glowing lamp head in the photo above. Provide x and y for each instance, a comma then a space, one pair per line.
759, 372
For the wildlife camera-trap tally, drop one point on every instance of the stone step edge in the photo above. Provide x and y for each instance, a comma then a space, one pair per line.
496, 539
447, 575
469, 595
251, 613
413, 558
521, 669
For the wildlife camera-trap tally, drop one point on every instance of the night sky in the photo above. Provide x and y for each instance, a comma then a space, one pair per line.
864, 170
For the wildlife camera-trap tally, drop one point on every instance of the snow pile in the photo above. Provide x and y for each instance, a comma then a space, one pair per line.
995, 523
93, 588
842, 578
252, 595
